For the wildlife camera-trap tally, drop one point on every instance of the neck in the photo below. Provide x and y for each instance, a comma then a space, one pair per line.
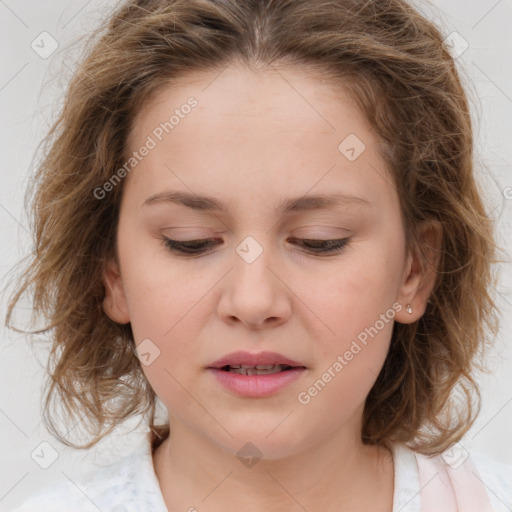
340, 474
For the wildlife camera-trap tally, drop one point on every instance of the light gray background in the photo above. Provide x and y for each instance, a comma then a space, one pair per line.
31, 88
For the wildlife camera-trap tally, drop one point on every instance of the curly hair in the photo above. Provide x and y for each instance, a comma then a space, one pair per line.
393, 63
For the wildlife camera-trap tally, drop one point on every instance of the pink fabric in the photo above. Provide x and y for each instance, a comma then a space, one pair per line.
450, 488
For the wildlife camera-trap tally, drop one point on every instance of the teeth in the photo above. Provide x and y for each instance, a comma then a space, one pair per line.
260, 369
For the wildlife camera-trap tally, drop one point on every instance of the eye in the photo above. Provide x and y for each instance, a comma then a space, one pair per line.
194, 247
188, 246
324, 246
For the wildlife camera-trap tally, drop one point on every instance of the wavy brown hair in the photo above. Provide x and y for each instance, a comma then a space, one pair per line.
392, 61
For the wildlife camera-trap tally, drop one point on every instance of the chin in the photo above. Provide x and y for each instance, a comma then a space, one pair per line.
265, 441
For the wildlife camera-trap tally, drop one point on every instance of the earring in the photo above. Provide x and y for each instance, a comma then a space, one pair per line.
408, 309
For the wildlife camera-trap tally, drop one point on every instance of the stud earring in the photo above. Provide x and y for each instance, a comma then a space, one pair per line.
408, 309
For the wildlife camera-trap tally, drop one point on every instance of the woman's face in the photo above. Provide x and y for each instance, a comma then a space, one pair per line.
285, 160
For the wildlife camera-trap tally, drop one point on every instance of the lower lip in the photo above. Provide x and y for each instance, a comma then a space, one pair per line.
256, 386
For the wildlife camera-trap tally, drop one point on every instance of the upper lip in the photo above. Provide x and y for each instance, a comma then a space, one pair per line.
253, 359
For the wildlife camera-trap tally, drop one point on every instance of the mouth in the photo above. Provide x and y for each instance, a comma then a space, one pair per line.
260, 369
256, 374
255, 363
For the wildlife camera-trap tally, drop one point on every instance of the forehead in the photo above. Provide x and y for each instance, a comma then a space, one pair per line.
259, 130
279, 96
246, 101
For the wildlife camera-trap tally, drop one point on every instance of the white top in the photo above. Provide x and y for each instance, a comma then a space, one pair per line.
130, 485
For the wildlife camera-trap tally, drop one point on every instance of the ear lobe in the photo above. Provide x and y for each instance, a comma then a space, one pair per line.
114, 303
421, 272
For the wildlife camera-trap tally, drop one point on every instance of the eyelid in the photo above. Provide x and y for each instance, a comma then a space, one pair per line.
328, 247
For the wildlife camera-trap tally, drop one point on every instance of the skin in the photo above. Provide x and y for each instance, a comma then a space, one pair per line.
255, 138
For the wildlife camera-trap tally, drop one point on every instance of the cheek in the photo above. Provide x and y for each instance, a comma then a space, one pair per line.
165, 308
165, 311
354, 302
158, 291
169, 303
352, 295
164, 304
348, 359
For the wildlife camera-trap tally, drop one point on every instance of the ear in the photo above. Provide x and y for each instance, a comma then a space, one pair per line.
419, 275
114, 303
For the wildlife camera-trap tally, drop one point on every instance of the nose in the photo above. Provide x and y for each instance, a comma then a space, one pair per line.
255, 292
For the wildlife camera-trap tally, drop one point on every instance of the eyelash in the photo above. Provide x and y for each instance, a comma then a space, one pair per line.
190, 247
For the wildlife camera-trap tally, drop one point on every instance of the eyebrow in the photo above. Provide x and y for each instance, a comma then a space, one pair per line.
291, 205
